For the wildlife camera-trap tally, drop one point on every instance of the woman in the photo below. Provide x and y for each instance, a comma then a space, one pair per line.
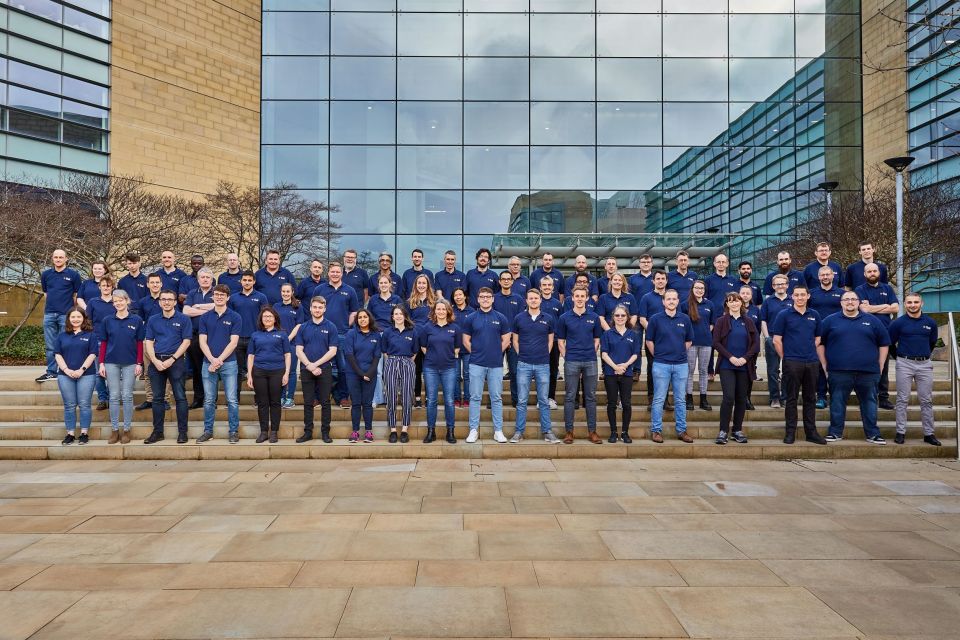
752, 311
419, 305
461, 310
620, 352
121, 362
90, 288
736, 339
76, 352
268, 370
400, 348
440, 341
98, 309
700, 311
381, 307
618, 295
288, 311
361, 348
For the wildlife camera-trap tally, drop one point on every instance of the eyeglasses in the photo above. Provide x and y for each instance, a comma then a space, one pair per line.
619, 315
168, 299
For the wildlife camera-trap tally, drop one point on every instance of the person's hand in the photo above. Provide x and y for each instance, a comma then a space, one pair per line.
138, 370
250, 381
315, 370
286, 379
102, 370
366, 378
76, 374
160, 365
68, 373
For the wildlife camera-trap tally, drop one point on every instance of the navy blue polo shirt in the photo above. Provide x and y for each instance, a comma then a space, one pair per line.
134, 286
811, 273
172, 280
853, 344
60, 287
650, 305
477, 279
364, 347
122, 337
268, 349
799, 333
373, 286
232, 280
381, 309
187, 284
552, 306
148, 306
794, 278
738, 339
879, 294
289, 316
753, 313
854, 277
305, 288
640, 285
603, 284
532, 336
757, 292
196, 296
446, 281
168, 333
99, 309
682, 283
719, 286
608, 302
75, 347
341, 302
248, 306
559, 287
485, 329
419, 314
439, 343
591, 284
358, 279
825, 302
89, 290
509, 305
521, 284
620, 348
669, 336
406, 280
404, 343
915, 337
316, 338
460, 315
702, 336
771, 307
219, 328
579, 331
269, 284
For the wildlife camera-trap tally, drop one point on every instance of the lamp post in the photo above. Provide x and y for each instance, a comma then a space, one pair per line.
829, 187
899, 164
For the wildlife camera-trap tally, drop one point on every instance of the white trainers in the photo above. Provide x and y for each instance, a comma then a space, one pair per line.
499, 437
473, 435
553, 404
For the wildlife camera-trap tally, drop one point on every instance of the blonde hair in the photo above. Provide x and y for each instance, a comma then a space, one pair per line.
413, 301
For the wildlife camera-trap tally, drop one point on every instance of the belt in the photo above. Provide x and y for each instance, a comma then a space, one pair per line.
916, 358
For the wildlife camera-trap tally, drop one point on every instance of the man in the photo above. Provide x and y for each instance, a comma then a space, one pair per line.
552, 306
533, 333
521, 283
796, 334
146, 308
580, 267
247, 303
668, 335
648, 306
681, 279
450, 277
316, 348
546, 269
745, 270
784, 268
854, 276
603, 282
641, 283
385, 261
231, 277
579, 280
198, 303
509, 304
811, 273
578, 334
307, 286
486, 336
914, 335
167, 340
60, 285
357, 277
853, 347
410, 275
825, 300
342, 305
90, 289
271, 278
720, 282
769, 310
189, 283
135, 282
879, 299
481, 276
218, 335
170, 273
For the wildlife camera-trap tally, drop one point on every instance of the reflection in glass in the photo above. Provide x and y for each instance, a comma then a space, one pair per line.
563, 123
85, 137
496, 34
691, 35
86, 91
298, 33
695, 79
429, 167
433, 247
628, 35
694, 6
362, 122
496, 123
761, 36
693, 124
365, 211
562, 79
563, 168
368, 246
562, 5
27, 100
33, 125
292, 78
362, 167
430, 5
761, 6
562, 35
85, 114
294, 122
635, 168
488, 211
629, 123
496, 168
428, 123
358, 34
430, 34
757, 79
35, 77
303, 166
363, 78
629, 79
497, 78
429, 212
429, 78
554, 212
497, 5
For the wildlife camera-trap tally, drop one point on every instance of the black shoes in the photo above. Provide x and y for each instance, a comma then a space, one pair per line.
931, 439
738, 437
197, 404
181, 438
816, 438
625, 438
790, 437
153, 437
404, 437
704, 404
325, 436
69, 439
417, 404
234, 438
262, 437
690, 405
143, 406
900, 438
451, 438
204, 437
46, 377
306, 437
886, 404
273, 437
103, 406
392, 439
613, 437
750, 406
431, 435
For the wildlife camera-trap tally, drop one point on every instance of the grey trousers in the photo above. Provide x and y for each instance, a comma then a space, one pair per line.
921, 373
698, 356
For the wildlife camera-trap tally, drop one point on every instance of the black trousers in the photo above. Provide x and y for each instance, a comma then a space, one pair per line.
242, 357
649, 358
418, 375
312, 385
801, 378
735, 384
196, 362
267, 386
883, 388
619, 388
554, 371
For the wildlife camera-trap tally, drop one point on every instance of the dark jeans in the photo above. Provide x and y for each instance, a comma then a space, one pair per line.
319, 385
418, 375
821, 384
242, 357
267, 391
773, 372
619, 388
512, 358
196, 363
175, 375
865, 386
554, 372
361, 399
340, 388
801, 377
883, 386
735, 384
573, 372
649, 359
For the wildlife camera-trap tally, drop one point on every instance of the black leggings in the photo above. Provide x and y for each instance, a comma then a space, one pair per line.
735, 385
267, 385
619, 387
418, 374
554, 371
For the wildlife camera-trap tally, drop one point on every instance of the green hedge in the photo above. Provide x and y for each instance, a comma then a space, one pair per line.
26, 348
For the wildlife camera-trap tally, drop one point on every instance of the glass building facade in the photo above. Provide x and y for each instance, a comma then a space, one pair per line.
54, 88
446, 124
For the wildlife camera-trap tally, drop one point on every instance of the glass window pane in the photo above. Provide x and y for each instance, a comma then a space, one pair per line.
562, 79
811, 35
85, 114
563, 123
702, 36
430, 34
628, 168
429, 212
86, 23
497, 5
624, 211
761, 6
429, 167
33, 125
626, 123
496, 167
366, 211
694, 6
429, 123
695, 79
625, 79
496, 123
633, 6
562, 35
43, 8
303, 166
627, 36
27, 100
93, 71
562, 6
362, 167
555, 211
497, 78
101, 7
294, 122
693, 124
430, 5
86, 91
490, 212
758, 79
293, 5
364, 5
285, 78
84, 137
562, 168
765, 36
496, 34
301, 32
364, 78
373, 34
362, 122
34, 77
430, 78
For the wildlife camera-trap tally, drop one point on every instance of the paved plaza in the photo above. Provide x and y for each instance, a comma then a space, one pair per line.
482, 548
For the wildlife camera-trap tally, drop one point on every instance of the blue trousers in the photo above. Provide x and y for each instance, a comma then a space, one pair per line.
865, 385
434, 379
664, 377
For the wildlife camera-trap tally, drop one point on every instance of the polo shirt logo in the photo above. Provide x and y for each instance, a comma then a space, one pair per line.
926, 328
85, 339
866, 324
132, 327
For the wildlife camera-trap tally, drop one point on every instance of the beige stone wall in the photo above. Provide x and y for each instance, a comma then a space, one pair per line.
186, 92
884, 92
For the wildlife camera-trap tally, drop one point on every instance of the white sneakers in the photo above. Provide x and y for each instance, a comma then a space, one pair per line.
472, 437
475, 435
553, 404
499, 437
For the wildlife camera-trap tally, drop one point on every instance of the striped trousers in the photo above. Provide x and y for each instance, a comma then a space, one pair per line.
398, 374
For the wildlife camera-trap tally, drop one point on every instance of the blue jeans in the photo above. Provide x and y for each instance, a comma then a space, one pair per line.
433, 379
76, 394
493, 377
228, 373
512, 358
103, 393
340, 373
176, 376
121, 379
361, 399
865, 386
378, 397
291, 389
540, 373
777, 392
53, 325
575, 372
665, 376
462, 390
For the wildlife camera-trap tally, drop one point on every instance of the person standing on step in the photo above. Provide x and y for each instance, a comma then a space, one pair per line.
381, 307
90, 288
385, 260
121, 362
99, 309
669, 335
461, 311
219, 335
915, 336
357, 277
784, 268
533, 336
135, 282
272, 276
620, 352
342, 306
361, 349
268, 370
772, 307
650, 305
854, 276
825, 300
449, 278
603, 282
879, 299
747, 296
481, 276
411, 274
681, 279
486, 336
737, 341
616, 294
400, 347
289, 314
521, 283
440, 341
551, 305
248, 304
700, 312
199, 302
745, 270
546, 269
510, 305
316, 348
231, 277
75, 354
60, 286
641, 283
306, 287
170, 273
811, 273
420, 304
578, 332
165, 344
147, 307
580, 269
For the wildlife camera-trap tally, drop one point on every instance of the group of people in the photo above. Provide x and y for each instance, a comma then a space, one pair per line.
360, 340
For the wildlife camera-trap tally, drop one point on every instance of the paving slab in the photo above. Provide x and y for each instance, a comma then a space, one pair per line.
794, 545
286, 545
604, 573
13, 575
233, 575
917, 612
932, 573
542, 545
642, 545
726, 573
357, 573
102, 577
22, 613
476, 573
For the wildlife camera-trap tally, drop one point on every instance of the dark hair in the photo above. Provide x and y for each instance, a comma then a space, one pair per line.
372, 326
420, 251
466, 298
132, 257
481, 251
276, 318
625, 310
645, 256
248, 273
170, 291
730, 295
273, 251
865, 243
293, 298
407, 322
155, 275
659, 272
800, 285
682, 253
222, 288
485, 290
745, 262
693, 307
86, 325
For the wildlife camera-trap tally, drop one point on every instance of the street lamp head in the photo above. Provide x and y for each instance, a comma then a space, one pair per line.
828, 186
899, 164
